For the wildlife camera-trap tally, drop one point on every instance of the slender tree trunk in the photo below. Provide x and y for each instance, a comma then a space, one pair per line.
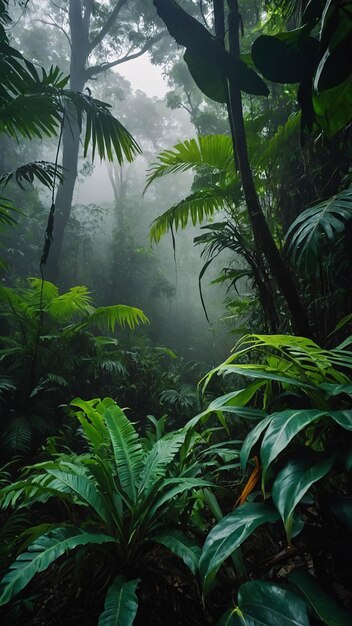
262, 235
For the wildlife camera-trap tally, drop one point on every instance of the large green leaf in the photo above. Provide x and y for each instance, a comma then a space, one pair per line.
128, 450
333, 107
343, 418
261, 603
121, 603
328, 610
282, 429
211, 78
293, 481
182, 546
318, 225
286, 57
207, 77
41, 553
229, 534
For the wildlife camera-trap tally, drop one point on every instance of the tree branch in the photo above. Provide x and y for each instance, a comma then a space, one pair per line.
98, 69
87, 13
107, 26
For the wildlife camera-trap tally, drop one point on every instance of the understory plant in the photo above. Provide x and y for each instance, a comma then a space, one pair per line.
126, 494
53, 345
298, 410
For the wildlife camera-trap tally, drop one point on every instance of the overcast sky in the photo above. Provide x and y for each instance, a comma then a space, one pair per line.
145, 76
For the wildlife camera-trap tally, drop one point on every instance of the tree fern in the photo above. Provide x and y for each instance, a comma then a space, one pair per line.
41, 553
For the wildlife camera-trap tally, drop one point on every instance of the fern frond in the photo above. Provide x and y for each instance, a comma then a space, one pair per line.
128, 450
160, 456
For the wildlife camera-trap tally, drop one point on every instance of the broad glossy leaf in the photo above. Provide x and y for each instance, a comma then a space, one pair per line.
207, 77
292, 482
261, 603
283, 427
328, 610
229, 534
252, 439
121, 603
284, 61
333, 107
343, 418
182, 546
41, 553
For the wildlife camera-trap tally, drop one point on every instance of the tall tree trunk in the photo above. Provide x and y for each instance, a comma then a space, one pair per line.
261, 232
70, 138
194, 36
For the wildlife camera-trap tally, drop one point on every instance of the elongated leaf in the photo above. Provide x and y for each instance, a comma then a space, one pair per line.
292, 482
128, 450
328, 610
182, 546
343, 418
121, 603
85, 489
252, 439
261, 603
282, 429
160, 456
46, 549
229, 534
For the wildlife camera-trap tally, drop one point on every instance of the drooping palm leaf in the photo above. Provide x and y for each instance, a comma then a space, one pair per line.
44, 171
195, 207
46, 549
318, 226
106, 317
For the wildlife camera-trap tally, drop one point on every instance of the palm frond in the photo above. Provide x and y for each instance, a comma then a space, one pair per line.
75, 302
44, 171
211, 151
196, 207
317, 226
128, 450
41, 553
6, 210
106, 317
